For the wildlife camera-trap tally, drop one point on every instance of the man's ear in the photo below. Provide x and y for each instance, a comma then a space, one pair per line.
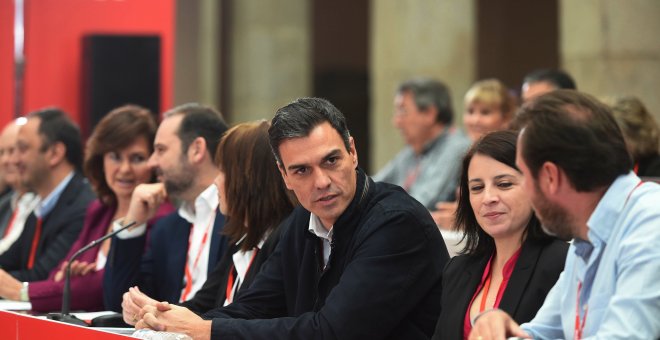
431, 114
56, 154
550, 178
197, 150
353, 151
285, 178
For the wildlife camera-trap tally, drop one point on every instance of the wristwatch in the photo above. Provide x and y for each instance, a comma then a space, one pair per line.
24, 293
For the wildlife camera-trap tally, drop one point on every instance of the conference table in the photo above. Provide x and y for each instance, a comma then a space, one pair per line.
15, 325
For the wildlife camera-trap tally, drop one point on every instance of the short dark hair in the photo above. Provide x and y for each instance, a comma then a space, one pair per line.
259, 200
199, 121
500, 146
56, 127
429, 92
577, 133
298, 118
558, 78
116, 131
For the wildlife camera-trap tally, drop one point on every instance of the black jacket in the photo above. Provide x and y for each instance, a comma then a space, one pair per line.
382, 280
536, 271
213, 292
60, 229
156, 261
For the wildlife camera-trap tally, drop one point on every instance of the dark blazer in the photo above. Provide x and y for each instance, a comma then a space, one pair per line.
60, 229
382, 280
213, 293
536, 271
155, 263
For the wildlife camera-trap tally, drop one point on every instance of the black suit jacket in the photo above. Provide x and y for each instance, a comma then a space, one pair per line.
156, 263
213, 293
536, 271
60, 229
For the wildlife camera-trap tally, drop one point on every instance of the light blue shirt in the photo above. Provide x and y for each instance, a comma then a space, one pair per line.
438, 168
47, 204
619, 269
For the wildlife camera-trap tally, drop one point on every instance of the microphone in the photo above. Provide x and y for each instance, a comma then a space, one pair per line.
65, 315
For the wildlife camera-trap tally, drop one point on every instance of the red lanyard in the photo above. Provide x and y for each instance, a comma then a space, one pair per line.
11, 221
187, 271
35, 243
229, 290
579, 326
412, 176
484, 294
577, 335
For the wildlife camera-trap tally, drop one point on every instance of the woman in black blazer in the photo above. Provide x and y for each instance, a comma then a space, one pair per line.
255, 201
508, 262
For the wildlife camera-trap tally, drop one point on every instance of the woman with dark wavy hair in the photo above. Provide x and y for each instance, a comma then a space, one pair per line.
508, 262
255, 201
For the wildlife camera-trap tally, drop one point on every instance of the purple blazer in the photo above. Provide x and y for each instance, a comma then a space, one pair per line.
87, 290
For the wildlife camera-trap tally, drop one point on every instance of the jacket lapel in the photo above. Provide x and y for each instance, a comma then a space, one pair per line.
521, 275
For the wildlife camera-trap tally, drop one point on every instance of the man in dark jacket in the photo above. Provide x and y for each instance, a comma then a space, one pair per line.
48, 158
359, 259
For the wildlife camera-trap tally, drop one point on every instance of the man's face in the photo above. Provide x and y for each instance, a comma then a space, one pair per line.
415, 125
169, 162
32, 155
535, 89
555, 219
8, 154
320, 171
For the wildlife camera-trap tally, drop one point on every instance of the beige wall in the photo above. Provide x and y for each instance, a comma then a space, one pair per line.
197, 58
270, 56
612, 47
416, 38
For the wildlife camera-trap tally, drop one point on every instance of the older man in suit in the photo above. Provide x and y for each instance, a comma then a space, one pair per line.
48, 160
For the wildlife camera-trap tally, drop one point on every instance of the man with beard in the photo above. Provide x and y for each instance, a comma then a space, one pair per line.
172, 263
578, 173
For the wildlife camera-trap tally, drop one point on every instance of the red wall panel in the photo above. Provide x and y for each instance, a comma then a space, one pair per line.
6, 61
53, 46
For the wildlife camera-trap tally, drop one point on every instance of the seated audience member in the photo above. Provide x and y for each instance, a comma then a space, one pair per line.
488, 107
115, 162
15, 210
508, 261
5, 190
360, 259
183, 247
427, 168
578, 174
48, 161
641, 133
543, 81
254, 206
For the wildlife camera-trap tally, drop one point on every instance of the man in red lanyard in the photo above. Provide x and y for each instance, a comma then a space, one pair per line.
15, 210
173, 262
578, 174
49, 154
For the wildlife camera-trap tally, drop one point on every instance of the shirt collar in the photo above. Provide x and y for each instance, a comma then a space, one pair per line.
605, 217
316, 228
205, 203
431, 144
48, 203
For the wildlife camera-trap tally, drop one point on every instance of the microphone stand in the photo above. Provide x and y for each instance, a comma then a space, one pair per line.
65, 315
